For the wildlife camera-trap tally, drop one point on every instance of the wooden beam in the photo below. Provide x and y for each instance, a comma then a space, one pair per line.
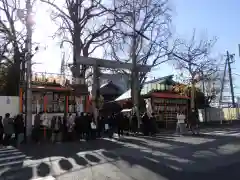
111, 64
109, 76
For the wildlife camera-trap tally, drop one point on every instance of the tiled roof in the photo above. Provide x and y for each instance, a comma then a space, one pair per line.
147, 87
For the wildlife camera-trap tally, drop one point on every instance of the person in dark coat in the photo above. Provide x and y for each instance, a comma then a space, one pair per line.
8, 128
57, 128
126, 124
100, 127
1, 131
134, 123
37, 127
88, 120
78, 126
110, 121
81, 125
19, 129
146, 124
153, 125
193, 122
120, 124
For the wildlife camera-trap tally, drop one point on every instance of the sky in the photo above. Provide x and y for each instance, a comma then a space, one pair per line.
209, 17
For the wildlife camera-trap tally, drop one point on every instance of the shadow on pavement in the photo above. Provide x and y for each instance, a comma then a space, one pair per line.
92, 158
43, 170
167, 163
64, 150
65, 164
24, 173
80, 160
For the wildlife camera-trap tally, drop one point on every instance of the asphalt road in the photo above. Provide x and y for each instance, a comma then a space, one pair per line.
213, 155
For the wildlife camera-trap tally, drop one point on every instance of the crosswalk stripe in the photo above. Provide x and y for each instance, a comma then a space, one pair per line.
44, 178
223, 133
10, 156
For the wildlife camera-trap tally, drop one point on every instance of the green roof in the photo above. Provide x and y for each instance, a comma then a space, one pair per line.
149, 86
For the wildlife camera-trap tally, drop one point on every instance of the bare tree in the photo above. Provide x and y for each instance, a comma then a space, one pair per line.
12, 47
211, 86
85, 24
147, 23
193, 59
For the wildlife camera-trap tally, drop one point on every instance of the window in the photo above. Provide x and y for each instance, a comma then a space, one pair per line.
167, 87
154, 86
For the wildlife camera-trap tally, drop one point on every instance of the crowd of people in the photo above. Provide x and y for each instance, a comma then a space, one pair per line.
11, 128
84, 126
73, 127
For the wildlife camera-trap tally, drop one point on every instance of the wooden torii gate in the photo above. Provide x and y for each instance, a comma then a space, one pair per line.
96, 63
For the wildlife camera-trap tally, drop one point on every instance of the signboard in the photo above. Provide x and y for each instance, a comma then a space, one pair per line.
149, 107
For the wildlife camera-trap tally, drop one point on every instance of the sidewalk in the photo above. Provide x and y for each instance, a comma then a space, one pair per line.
205, 128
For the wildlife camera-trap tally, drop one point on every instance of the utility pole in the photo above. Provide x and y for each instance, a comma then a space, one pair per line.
205, 100
229, 61
222, 83
29, 69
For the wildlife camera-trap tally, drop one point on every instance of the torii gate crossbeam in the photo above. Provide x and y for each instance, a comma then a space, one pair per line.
96, 63
111, 64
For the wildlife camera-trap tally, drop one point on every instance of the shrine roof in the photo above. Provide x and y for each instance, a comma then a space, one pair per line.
161, 80
148, 87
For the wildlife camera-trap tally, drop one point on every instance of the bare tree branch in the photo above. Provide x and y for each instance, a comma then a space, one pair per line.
12, 45
152, 20
194, 58
85, 24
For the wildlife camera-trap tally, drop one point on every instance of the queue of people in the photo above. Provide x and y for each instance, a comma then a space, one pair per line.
84, 126
11, 128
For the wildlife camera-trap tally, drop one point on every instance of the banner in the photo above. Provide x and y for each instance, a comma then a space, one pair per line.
149, 107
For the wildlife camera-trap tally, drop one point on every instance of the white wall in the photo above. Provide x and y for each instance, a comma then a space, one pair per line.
221, 114
9, 104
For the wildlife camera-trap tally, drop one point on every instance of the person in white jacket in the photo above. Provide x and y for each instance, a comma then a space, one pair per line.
180, 126
70, 126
